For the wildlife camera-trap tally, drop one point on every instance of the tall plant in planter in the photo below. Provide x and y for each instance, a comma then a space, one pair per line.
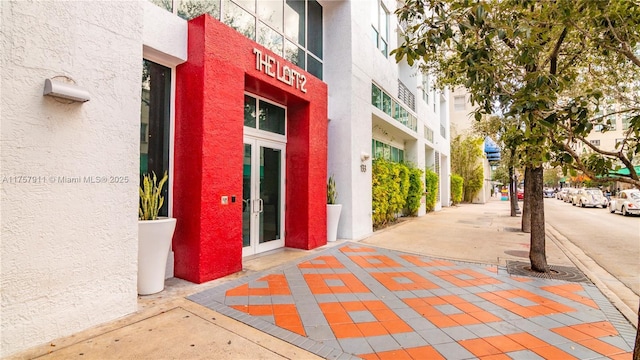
333, 210
154, 235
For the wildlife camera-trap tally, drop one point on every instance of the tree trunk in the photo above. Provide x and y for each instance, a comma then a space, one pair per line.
526, 203
537, 253
636, 348
513, 199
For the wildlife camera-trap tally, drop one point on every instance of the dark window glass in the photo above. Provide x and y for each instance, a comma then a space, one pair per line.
295, 17
249, 111
376, 96
314, 32
314, 67
386, 103
155, 120
272, 118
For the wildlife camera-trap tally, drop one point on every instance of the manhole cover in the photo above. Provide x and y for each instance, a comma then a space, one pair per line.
566, 273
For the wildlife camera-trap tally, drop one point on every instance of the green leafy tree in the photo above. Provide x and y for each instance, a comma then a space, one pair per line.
466, 160
533, 59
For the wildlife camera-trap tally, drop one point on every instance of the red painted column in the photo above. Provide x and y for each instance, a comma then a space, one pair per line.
208, 152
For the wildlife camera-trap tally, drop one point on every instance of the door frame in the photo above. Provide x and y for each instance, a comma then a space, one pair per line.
256, 204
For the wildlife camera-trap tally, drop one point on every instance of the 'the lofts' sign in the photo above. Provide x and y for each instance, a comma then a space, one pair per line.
273, 68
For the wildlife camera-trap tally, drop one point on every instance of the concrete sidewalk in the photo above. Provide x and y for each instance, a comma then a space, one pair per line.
168, 326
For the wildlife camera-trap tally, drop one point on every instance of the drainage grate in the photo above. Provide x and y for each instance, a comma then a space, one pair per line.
566, 273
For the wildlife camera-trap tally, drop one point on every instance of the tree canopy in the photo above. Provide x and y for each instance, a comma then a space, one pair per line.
555, 65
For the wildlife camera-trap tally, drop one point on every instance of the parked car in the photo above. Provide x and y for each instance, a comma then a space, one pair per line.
520, 194
628, 202
568, 198
561, 194
591, 197
548, 193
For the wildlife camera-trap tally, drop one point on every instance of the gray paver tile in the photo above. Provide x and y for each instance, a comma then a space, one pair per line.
419, 323
578, 350
453, 351
459, 333
383, 343
546, 322
362, 316
617, 342
409, 340
504, 327
355, 346
435, 336
524, 355
319, 332
482, 330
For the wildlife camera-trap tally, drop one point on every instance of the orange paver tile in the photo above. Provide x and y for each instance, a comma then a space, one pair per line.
396, 326
322, 262
503, 343
318, 284
597, 329
394, 355
442, 321
495, 357
464, 319
333, 307
287, 320
277, 285
484, 316
372, 329
374, 305
353, 306
601, 347
284, 309
338, 318
296, 329
384, 315
348, 249
379, 261
260, 310
344, 331
369, 356
416, 260
477, 278
521, 279
625, 356
479, 347
552, 352
527, 340
424, 352
571, 333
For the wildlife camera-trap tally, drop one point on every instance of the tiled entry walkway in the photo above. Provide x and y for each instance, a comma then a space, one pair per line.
358, 301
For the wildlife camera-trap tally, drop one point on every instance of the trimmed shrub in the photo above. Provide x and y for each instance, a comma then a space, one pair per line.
457, 186
416, 190
431, 188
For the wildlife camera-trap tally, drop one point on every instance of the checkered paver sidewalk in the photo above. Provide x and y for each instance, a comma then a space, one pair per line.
358, 301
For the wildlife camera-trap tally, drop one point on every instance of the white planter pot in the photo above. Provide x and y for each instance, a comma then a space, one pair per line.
154, 242
333, 218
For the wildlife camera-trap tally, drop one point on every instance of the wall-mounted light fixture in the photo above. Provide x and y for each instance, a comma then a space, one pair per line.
363, 158
65, 90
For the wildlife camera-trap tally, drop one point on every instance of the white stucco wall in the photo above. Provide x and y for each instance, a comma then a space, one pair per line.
69, 250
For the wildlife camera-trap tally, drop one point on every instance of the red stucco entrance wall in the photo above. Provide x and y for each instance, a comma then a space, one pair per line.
208, 152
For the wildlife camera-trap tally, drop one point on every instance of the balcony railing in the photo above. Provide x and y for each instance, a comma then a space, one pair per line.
383, 101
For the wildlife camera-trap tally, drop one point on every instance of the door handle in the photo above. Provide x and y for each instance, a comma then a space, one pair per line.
261, 202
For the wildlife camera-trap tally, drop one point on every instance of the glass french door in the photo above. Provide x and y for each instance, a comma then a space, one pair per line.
262, 195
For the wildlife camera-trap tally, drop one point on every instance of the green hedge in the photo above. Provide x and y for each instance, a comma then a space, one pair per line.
396, 189
457, 186
416, 190
431, 182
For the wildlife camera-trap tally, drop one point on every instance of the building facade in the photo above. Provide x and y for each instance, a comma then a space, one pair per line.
248, 106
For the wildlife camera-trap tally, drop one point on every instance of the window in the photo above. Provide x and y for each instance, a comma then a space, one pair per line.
459, 103
425, 88
292, 29
270, 117
383, 101
428, 133
380, 28
381, 150
155, 114
626, 122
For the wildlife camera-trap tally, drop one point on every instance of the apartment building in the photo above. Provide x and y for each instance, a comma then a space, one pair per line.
248, 106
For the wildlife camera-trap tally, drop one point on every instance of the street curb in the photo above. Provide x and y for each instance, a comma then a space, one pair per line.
578, 257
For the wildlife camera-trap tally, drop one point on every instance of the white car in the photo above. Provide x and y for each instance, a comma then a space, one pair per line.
628, 202
592, 197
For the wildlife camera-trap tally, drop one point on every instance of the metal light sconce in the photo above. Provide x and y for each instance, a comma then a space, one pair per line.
66, 90
363, 158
